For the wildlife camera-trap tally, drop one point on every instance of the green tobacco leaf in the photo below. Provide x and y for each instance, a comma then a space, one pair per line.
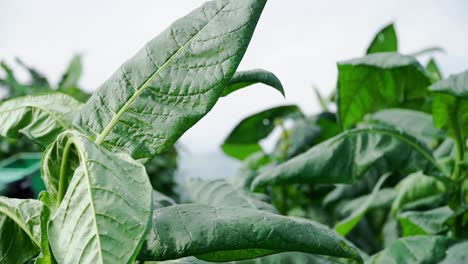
346, 225
450, 105
241, 151
415, 187
249, 169
20, 230
425, 223
38, 80
306, 133
386, 40
40, 118
173, 81
160, 200
434, 70
456, 254
348, 156
281, 258
69, 82
15, 88
219, 193
106, 210
258, 126
417, 249
225, 234
379, 81
382, 199
72, 74
244, 79
415, 123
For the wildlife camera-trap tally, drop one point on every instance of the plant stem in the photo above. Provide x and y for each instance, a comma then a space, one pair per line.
62, 178
458, 175
284, 155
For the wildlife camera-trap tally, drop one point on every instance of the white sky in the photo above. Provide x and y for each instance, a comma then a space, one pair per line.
299, 40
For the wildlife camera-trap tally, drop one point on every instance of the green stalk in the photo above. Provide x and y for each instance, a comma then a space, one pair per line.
458, 175
284, 153
63, 166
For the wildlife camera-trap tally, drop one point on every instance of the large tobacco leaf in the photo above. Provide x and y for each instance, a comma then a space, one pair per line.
417, 186
306, 133
20, 230
348, 156
104, 214
450, 105
173, 81
430, 222
226, 234
416, 123
347, 224
417, 249
244, 79
249, 169
219, 193
280, 258
385, 40
40, 118
379, 81
244, 138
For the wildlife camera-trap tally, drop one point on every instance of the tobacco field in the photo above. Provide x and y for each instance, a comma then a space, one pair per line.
379, 176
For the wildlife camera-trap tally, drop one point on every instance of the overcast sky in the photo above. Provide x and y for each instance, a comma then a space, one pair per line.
299, 40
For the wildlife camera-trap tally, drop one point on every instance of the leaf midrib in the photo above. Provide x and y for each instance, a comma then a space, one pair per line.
105, 132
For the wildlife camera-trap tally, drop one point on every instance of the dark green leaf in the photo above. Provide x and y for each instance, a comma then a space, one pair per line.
306, 133
40, 118
425, 223
241, 151
37, 79
15, 88
219, 193
224, 234
386, 40
249, 169
72, 74
415, 187
281, 258
347, 224
379, 81
450, 105
348, 156
382, 199
243, 79
415, 123
417, 249
106, 210
434, 70
456, 254
252, 129
173, 81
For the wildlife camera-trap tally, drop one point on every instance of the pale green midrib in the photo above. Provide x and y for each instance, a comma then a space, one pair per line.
20, 224
91, 202
142, 88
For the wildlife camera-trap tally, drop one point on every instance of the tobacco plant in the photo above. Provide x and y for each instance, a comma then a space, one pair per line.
387, 170
99, 206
